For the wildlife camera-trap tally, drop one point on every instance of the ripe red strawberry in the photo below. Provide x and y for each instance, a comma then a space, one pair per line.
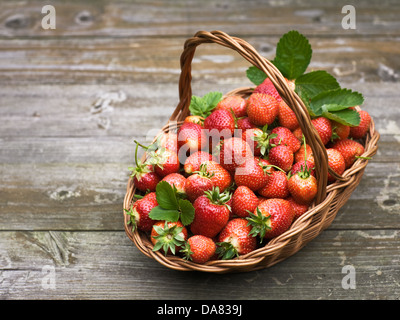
166, 162
350, 150
298, 209
139, 212
262, 109
336, 162
287, 117
233, 152
271, 218
193, 162
253, 173
235, 103
302, 154
282, 157
324, 128
249, 136
267, 87
285, 136
299, 166
220, 122
235, 239
168, 236
339, 131
298, 133
244, 123
177, 180
197, 184
243, 201
144, 177
211, 213
195, 119
303, 186
361, 130
276, 186
220, 177
199, 249
168, 140
191, 137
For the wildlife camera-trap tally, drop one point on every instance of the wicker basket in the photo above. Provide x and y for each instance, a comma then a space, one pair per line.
327, 202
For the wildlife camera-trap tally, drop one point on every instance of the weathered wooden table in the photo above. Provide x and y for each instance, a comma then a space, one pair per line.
73, 99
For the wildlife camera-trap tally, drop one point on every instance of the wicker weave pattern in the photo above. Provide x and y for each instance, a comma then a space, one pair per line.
328, 200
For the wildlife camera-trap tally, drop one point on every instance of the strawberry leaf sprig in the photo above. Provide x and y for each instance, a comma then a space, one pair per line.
319, 90
203, 106
170, 206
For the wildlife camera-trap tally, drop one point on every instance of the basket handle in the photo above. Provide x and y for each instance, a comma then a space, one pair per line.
289, 96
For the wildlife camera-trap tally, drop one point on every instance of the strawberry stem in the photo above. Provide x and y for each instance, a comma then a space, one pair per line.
304, 172
365, 158
203, 171
218, 198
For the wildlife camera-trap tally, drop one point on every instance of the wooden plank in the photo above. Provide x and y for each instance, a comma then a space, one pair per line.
139, 60
79, 196
99, 265
138, 18
56, 111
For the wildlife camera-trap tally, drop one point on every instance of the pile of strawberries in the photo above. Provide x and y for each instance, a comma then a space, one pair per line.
224, 184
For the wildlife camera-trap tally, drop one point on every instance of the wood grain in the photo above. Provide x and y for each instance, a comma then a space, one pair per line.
136, 61
150, 18
85, 269
73, 99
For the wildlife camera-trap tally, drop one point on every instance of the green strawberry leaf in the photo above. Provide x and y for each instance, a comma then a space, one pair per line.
166, 196
212, 98
339, 97
310, 84
256, 75
159, 213
293, 54
203, 106
186, 212
347, 117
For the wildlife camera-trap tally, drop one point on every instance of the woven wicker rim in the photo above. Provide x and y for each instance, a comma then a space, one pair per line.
328, 200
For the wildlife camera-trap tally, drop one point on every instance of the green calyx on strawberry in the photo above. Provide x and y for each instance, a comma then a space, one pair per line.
187, 251
263, 139
168, 238
260, 223
218, 198
203, 171
226, 250
271, 218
